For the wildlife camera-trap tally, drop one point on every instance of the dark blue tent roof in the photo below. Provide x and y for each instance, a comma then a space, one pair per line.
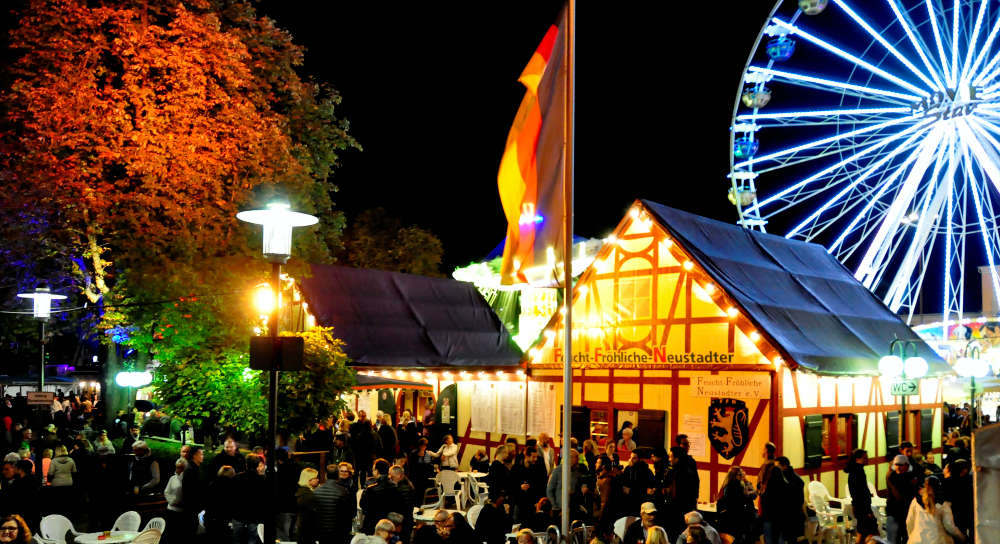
403, 320
796, 292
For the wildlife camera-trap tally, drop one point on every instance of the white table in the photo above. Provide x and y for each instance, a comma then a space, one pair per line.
117, 537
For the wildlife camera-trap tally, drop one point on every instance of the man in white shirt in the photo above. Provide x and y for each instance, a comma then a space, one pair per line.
546, 452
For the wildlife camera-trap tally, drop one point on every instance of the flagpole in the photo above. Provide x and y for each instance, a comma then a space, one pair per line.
569, 52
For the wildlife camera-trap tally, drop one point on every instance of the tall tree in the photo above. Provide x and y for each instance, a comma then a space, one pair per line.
377, 240
134, 130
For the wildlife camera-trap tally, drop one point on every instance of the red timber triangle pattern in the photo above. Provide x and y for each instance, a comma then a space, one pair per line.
647, 317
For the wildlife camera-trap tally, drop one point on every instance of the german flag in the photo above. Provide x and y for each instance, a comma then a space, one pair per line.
531, 170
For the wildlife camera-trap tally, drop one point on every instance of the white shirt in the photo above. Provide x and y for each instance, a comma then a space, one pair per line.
449, 455
547, 455
927, 528
173, 493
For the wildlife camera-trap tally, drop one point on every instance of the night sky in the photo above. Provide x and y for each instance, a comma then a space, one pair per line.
431, 89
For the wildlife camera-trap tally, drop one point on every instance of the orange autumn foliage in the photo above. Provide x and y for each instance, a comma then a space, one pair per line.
141, 133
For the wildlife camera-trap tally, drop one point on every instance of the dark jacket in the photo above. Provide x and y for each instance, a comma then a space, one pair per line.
523, 502
288, 484
222, 459
902, 490
638, 479
333, 510
377, 500
634, 534
220, 506
193, 489
492, 525
774, 496
736, 511
252, 492
387, 436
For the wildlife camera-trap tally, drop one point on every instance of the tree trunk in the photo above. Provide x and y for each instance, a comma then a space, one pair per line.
115, 397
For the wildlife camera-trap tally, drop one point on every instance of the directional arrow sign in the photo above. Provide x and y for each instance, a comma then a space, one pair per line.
905, 388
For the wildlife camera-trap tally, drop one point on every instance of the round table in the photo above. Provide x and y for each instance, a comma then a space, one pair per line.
117, 537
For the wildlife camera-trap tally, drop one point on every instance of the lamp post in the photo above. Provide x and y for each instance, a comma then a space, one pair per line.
41, 299
972, 366
911, 368
277, 221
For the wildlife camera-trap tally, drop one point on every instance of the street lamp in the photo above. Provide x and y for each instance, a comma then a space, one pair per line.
41, 299
908, 368
972, 366
277, 221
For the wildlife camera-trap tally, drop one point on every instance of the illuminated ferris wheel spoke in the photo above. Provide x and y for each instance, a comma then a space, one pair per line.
849, 160
986, 46
875, 167
932, 16
820, 113
899, 56
982, 225
929, 217
885, 186
849, 57
988, 74
986, 159
859, 91
827, 140
873, 258
971, 47
955, 11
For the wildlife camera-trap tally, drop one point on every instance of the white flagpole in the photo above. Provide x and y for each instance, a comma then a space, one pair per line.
569, 52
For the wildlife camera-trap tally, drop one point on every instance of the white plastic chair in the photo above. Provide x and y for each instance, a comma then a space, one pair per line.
818, 491
828, 520
128, 521
149, 536
471, 516
446, 482
159, 524
54, 528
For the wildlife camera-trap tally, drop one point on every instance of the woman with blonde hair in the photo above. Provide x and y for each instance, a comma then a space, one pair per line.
308, 481
657, 535
345, 477
61, 469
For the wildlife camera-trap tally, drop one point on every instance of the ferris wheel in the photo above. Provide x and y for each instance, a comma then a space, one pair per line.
873, 128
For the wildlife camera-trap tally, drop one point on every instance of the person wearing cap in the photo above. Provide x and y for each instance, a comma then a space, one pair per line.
902, 484
695, 519
639, 530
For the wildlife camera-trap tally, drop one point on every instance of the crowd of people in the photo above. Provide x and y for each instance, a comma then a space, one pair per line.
377, 471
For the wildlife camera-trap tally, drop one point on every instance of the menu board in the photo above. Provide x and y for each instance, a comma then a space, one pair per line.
512, 408
541, 408
484, 407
